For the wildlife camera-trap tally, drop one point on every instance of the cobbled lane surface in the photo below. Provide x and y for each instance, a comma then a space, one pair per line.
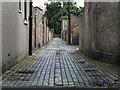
59, 65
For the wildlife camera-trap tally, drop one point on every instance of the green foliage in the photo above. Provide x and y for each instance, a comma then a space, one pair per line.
55, 13
65, 17
81, 9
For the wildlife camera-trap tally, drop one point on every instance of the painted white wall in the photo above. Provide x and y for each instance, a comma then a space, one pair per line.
15, 37
0, 37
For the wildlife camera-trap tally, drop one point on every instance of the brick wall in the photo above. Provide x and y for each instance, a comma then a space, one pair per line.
52, 31
51, 36
40, 32
47, 34
44, 30
37, 32
64, 29
74, 29
39, 27
33, 28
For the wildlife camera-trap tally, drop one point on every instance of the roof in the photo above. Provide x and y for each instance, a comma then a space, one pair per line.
39, 8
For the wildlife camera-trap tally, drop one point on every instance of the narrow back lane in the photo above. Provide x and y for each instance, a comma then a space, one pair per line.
58, 65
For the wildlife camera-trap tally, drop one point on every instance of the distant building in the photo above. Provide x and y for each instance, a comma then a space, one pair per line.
64, 31
51, 34
74, 29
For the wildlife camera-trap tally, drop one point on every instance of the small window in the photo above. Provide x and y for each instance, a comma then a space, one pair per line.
25, 10
25, 13
19, 4
20, 9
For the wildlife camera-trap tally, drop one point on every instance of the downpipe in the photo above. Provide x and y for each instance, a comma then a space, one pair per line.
30, 29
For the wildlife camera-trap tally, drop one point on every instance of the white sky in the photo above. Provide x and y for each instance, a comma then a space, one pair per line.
41, 3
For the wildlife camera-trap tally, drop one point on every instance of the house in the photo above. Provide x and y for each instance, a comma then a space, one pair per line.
16, 23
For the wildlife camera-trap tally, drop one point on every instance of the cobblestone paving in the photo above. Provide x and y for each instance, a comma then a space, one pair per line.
58, 65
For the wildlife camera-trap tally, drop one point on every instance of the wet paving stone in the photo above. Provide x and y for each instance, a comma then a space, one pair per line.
59, 65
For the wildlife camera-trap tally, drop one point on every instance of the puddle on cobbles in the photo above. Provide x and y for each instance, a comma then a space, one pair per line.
58, 84
95, 75
81, 61
91, 70
26, 71
97, 84
102, 84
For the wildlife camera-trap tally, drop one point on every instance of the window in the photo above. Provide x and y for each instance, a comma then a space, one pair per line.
25, 10
20, 10
25, 13
19, 4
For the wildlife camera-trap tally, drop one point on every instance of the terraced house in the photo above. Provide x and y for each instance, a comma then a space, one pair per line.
24, 29
15, 32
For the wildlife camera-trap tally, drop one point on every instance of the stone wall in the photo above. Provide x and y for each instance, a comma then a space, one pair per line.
99, 31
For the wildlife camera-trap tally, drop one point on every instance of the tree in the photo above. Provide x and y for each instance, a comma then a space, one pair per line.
55, 13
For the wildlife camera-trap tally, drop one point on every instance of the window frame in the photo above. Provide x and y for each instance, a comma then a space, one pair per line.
20, 7
25, 12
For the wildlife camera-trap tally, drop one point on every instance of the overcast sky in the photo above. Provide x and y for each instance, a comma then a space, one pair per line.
41, 3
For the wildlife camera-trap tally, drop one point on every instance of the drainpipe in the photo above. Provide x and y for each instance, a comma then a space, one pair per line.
43, 30
35, 31
46, 31
30, 30
69, 24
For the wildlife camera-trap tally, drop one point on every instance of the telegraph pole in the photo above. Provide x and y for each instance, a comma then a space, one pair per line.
69, 24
